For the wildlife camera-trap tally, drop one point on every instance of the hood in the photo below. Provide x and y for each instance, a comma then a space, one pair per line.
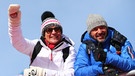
68, 40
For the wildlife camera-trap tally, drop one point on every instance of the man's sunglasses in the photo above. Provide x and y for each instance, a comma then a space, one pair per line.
56, 29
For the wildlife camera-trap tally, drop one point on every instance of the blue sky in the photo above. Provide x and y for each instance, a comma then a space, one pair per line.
72, 14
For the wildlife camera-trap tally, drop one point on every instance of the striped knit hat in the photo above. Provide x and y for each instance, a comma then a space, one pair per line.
47, 19
95, 20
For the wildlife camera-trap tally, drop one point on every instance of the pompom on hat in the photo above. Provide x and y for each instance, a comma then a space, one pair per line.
47, 14
95, 20
48, 18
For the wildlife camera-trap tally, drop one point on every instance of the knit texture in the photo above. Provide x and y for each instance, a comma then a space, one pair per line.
95, 20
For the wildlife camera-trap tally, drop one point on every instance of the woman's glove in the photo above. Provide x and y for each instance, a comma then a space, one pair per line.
34, 71
14, 14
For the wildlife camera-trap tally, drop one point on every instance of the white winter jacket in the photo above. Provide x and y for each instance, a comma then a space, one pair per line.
56, 67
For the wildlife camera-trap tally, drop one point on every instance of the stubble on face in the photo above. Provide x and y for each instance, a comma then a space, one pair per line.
99, 33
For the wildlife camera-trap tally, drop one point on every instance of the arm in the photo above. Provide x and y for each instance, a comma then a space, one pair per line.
85, 66
15, 33
125, 61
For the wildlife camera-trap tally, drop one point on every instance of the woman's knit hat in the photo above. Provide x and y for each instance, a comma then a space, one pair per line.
95, 20
48, 18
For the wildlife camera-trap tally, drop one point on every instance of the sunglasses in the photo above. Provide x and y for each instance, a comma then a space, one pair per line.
56, 29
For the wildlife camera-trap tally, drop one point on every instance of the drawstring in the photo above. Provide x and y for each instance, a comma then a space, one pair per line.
51, 57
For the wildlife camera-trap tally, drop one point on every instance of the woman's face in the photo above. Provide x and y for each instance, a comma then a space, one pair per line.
53, 34
99, 33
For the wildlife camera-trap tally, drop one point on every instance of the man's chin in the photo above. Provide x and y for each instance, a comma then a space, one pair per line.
101, 40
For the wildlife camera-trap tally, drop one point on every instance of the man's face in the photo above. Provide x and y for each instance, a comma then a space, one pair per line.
53, 34
99, 33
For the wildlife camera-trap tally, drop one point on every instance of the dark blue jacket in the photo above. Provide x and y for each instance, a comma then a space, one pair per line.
85, 65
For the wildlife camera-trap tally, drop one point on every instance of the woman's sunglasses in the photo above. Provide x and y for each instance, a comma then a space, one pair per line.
56, 29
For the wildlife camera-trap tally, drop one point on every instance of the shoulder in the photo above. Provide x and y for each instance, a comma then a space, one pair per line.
82, 47
68, 40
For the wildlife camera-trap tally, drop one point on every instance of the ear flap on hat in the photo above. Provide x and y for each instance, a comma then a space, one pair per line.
47, 14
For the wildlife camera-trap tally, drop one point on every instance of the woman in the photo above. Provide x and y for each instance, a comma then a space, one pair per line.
49, 61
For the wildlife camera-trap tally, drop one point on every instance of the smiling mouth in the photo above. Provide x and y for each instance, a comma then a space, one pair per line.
100, 37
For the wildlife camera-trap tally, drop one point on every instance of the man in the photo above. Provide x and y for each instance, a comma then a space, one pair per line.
104, 51
52, 59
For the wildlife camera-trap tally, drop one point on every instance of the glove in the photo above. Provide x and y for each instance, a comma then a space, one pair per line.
99, 54
14, 15
34, 71
110, 72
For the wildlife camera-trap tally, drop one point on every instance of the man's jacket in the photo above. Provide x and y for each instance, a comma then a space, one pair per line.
85, 65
